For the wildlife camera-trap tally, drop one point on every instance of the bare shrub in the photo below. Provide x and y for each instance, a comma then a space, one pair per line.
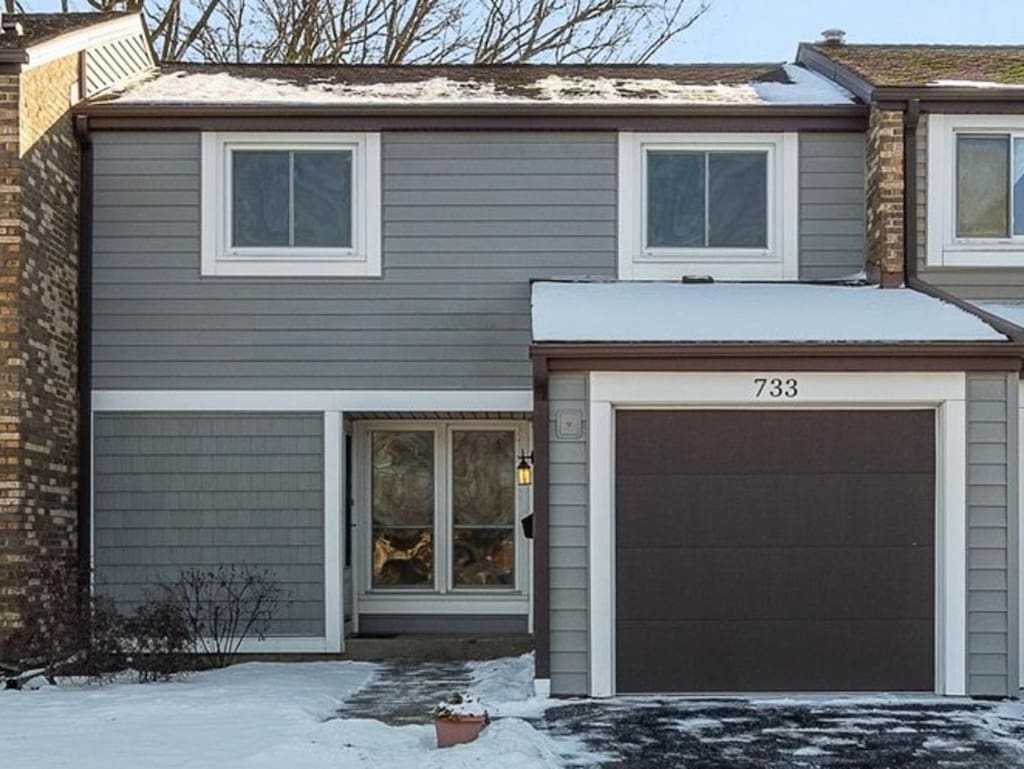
66, 629
224, 606
157, 639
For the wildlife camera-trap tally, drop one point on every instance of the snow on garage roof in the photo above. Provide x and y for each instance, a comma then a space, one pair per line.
1007, 309
746, 312
652, 84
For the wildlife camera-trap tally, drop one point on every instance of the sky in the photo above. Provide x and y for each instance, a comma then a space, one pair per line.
769, 30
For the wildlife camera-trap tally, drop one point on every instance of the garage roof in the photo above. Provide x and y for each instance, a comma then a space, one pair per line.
746, 312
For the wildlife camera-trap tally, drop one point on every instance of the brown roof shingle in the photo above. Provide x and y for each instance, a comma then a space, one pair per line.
917, 66
40, 27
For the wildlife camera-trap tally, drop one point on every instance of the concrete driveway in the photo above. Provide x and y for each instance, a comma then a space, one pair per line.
874, 733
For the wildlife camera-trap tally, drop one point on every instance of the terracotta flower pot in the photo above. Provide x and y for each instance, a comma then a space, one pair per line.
451, 731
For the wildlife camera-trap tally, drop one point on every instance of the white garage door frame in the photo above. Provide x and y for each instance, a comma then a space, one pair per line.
944, 392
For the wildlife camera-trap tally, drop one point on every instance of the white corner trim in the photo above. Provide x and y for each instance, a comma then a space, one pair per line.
601, 485
945, 392
942, 247
542, 688
312, 400
780, 261
334, 533
80, 39
362, 259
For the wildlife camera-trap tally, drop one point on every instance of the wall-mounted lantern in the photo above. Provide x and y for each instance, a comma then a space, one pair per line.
524, 470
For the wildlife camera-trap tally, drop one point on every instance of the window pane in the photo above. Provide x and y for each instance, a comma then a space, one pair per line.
675, 199
1018, 186
402, 508
483, 477
738, 199
484, 557
981, 191
483, 508
323, 199
259, 199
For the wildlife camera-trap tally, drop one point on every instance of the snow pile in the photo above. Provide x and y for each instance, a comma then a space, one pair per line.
191, 86
256, 716
985, 84
1010, 311
766, 312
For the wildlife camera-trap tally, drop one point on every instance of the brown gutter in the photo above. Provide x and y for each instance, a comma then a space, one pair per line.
541, 518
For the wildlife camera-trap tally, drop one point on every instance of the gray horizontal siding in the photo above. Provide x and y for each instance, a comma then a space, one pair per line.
177, 491
991, 534
832, 222
567, 515
469, 219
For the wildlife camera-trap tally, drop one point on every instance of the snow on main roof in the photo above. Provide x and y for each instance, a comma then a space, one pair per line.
467, 84
752, 312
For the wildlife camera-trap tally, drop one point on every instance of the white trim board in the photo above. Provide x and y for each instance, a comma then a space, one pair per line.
945, 392
80, 39
313, 400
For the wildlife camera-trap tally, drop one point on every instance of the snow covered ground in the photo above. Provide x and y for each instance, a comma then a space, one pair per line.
274, 715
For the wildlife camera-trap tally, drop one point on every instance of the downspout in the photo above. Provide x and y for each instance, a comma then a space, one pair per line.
85, 214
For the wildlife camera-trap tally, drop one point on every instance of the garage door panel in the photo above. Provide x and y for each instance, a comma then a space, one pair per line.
878, 655
774, 583
716, 510
775, 550
658, 442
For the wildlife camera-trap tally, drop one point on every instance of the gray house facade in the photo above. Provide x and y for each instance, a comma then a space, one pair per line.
358, 325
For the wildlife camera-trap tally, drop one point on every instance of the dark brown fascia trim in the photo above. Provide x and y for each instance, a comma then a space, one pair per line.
840, 118
823, 65
14, 56
541, 527
938, 356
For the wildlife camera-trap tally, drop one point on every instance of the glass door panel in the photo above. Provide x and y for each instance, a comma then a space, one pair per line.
402, 508
483, 508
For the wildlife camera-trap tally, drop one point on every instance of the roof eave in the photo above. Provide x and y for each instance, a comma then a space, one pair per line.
835, 349
114, 108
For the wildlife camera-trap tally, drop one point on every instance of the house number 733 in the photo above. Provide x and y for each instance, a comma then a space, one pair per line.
776, 387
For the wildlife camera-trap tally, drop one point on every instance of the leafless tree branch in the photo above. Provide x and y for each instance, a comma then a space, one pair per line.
410, 31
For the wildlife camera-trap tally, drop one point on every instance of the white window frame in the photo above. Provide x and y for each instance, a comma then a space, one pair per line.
443, 596
945, 392
220, 258
777, 261
944, 248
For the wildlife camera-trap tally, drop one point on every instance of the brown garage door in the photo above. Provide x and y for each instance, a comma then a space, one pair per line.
774, 550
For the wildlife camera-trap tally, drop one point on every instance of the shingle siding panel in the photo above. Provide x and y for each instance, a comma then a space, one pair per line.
992, 479
569, 577
188, 490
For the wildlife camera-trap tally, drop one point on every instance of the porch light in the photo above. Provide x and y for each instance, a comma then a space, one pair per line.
524, 470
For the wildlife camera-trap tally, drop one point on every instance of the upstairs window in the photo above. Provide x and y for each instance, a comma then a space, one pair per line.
707, 199
723, 205
291, 204
973, 201
990, 185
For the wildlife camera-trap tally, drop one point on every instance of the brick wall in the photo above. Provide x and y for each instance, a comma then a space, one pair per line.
885, 196
38, 327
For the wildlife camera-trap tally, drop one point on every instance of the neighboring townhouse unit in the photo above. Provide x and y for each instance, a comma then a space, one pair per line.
628, 358
47, 64
955, 119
